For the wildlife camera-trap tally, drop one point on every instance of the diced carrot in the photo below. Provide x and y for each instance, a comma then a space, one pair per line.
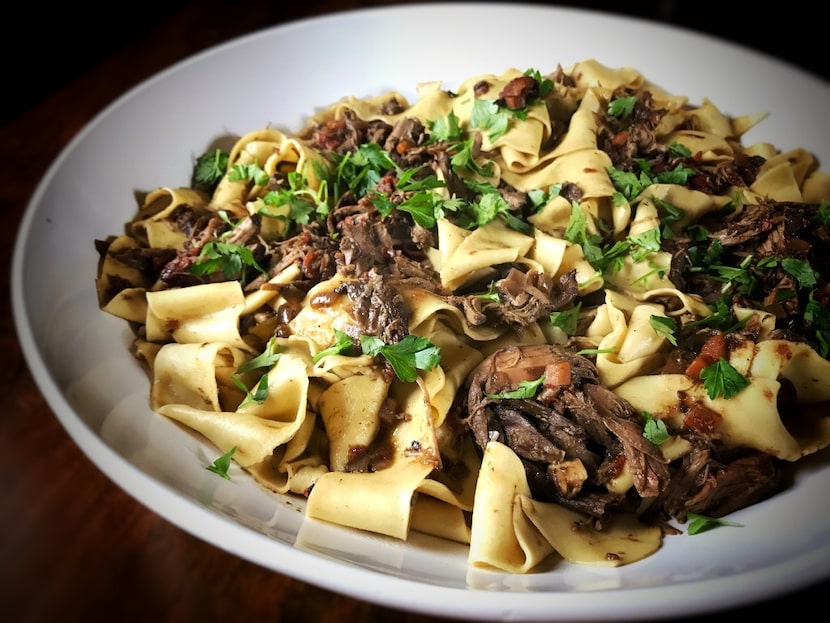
403, 146
712, 350
620, 139
714, 347
694, 368
702, 419
557, 374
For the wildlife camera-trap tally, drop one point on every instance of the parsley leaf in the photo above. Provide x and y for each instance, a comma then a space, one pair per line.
222, 464
801, 270
459, 146
566, 319
265, 360
258, 394
667, 327
248, 172
359, 171
406, 357
818, 318
631, 184
486, 115
679, 150
302, 200
654, 429
822, 216
622, 107
545, 84
609, 258
445, 129
577, 232
489, 206
210, 167
490, 295
231, 259
425, 207
721, 379
702, 523
342, 342
462, 158
526, 389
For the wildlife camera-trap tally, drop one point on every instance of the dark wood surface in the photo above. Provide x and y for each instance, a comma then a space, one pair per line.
75, 547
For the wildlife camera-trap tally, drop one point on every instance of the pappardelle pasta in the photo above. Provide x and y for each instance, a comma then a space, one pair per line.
540, 314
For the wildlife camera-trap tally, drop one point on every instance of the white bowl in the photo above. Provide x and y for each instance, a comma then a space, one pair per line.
149, 137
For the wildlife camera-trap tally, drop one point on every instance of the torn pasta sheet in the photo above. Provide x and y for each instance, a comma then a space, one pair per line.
542, 315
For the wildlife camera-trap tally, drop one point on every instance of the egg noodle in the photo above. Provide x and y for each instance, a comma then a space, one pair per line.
399, 312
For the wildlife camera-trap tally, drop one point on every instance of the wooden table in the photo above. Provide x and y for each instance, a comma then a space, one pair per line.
74, 546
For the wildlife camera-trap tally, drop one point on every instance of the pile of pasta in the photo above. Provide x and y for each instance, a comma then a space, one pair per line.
297, 438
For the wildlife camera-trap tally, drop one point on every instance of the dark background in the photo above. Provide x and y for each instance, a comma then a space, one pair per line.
56, 44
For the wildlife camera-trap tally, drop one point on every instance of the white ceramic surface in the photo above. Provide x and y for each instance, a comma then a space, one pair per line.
149, 137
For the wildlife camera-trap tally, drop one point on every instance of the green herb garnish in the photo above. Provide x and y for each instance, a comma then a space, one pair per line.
526, 389
702, 523
342, 343
406, 357
210, 167
654, 430
665, 326
721, 379
221, 465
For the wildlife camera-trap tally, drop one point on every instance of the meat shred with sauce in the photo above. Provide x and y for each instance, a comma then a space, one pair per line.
575, 436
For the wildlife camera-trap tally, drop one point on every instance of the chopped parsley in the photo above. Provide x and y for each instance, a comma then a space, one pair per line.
702, 523
609, 257
265, 360
460, 146
630, 184
822, 216
566, 319
222, 464
248, 172
722, 380
654, 429
490, 295
302, 200
342, 343
818, 318
488, 115
258, 394
210, 167
622, 107
359, 172
231, 259
406, 357
664, 326
526, 389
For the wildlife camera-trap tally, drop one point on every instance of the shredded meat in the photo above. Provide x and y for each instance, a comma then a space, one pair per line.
573, 438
